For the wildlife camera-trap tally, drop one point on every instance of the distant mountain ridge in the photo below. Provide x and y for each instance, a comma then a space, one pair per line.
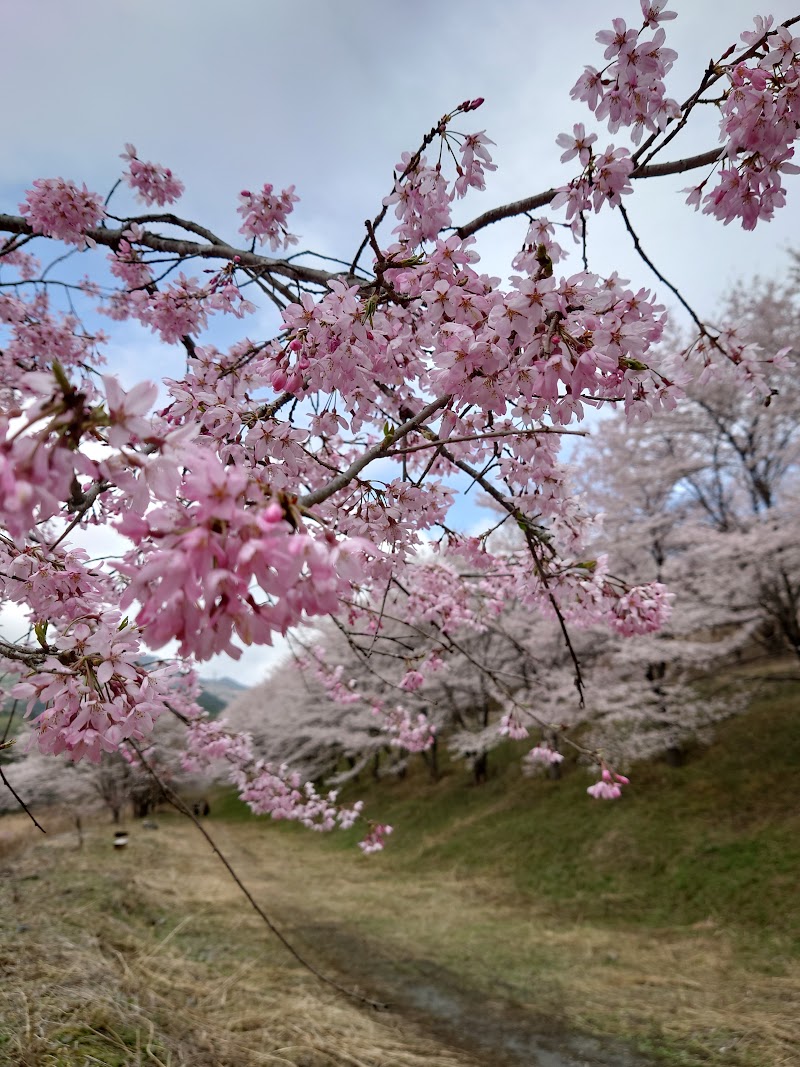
217, 693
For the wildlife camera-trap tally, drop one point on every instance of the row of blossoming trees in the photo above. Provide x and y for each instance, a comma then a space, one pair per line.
703, 498
300, 476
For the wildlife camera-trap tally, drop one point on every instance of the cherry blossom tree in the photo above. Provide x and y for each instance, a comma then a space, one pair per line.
745, 486
344, 703
292, 718
303, 475
704, 499
119, 783
40, 781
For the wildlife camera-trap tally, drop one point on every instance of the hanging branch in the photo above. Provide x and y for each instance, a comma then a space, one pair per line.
19, 799
176, 802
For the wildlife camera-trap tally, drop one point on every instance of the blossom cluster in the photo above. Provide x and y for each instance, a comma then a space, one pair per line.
268, 790
604, 180
182, 308
375, 841
95, 693
209, 558
510, 726
86, 668
541, 756
641, 609
760, 116
265, 214
609, 787
153, 183
422, 196
411, 733
630, 90
58, 208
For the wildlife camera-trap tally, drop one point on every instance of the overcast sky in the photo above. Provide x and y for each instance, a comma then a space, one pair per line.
326, 96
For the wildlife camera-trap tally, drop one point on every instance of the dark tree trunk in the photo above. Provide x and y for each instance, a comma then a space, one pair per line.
675, 756
480, 768
431, 757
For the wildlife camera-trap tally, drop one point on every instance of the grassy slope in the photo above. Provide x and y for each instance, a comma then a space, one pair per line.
715, 840
671, 917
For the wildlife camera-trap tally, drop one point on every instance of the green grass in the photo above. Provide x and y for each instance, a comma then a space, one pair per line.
716, 841
226, 805
668, 919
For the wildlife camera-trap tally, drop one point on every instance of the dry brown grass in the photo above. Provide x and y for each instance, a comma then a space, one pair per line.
18, 834
13, 841
677, 987
151, 957
147, 958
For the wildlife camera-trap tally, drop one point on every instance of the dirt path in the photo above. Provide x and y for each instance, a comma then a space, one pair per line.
340, 920
496, 1031
474, 973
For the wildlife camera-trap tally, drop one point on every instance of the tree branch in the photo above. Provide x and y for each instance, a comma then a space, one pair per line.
177, 803
493, 435
31, 657
673, 289
211, 250
531, 203
382, 448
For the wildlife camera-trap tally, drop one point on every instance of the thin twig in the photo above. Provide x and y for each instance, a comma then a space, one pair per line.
562, 622
411, 165
88, 502
673, 289
20, 801
9, 721
492, 435
179, 805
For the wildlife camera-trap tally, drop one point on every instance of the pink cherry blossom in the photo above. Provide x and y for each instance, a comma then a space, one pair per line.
609, 787
762, 26
317, 470
375, 841
265, 214
541, 756
475, 161
577, 144
510, 726
153, 183
58, 208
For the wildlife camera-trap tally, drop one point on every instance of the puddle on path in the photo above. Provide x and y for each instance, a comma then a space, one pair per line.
495, 1031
